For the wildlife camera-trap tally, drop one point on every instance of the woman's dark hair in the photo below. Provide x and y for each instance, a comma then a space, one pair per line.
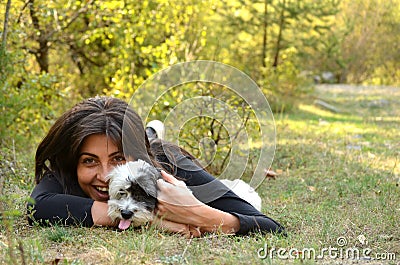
58, 153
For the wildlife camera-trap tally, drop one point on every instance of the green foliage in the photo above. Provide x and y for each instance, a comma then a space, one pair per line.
59, 52
208, 133
14, 178
63, 51
366, 35
28, 109
5, 65
284, 85
111, 47
386, 74
58, 234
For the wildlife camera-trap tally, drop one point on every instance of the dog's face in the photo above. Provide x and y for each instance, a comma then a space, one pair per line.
133, 193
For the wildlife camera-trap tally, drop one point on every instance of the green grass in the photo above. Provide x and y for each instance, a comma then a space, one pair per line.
339, 177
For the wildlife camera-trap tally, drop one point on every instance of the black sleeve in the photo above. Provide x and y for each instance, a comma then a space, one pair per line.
215, 194
52, 206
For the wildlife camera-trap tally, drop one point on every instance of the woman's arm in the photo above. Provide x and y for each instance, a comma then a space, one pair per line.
100, 216
176, 203
211, 192
52, 206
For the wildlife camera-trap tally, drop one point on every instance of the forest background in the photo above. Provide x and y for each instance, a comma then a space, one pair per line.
338, 167
54, 53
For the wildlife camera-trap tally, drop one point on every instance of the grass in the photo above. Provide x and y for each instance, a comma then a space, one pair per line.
339, 180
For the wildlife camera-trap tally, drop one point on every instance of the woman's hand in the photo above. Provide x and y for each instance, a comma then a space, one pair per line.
177, 205
173, 194
100, 216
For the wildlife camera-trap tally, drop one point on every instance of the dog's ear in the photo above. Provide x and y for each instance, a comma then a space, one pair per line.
148, 184
147, 178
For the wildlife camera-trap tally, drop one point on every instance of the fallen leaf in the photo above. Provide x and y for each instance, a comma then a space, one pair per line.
311, 188
377, 192
270, 174
57, 259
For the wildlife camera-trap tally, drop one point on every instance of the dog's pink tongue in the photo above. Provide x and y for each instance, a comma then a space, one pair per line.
124, 224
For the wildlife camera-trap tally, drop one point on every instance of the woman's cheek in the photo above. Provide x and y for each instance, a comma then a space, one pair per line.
85, 174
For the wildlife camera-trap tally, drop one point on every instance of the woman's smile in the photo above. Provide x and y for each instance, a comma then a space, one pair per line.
102, 193
97, 157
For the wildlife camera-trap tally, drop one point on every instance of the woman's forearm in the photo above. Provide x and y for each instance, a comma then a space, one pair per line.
209, 219
99, 214
200, 223
176, 203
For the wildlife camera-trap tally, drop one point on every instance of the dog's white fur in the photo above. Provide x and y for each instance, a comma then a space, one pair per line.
133, 188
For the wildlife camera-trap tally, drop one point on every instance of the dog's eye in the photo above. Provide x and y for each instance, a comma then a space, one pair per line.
122, 192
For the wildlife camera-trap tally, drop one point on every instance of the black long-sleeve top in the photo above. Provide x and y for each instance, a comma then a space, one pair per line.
53, 205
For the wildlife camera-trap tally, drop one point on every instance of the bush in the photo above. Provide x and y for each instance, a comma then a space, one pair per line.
28, 108
283, 85
211, 126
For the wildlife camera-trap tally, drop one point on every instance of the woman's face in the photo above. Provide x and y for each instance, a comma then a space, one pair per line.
98, 156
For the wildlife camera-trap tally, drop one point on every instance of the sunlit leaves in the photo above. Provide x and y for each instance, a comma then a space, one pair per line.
112, 47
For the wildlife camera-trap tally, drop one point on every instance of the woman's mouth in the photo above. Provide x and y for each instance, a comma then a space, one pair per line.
102, 192
102, 189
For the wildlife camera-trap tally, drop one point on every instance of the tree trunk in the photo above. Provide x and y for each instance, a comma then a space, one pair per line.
41, 54
264, 48
5, 28
278, 41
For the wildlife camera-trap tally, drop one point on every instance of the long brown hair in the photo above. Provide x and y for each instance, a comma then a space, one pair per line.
58, 152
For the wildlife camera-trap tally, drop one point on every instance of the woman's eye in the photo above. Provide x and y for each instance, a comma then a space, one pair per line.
88, 161
119, 160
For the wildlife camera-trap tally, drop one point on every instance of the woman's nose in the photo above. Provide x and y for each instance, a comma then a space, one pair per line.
103, 172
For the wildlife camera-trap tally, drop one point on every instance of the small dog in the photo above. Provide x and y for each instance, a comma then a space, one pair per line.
133, 193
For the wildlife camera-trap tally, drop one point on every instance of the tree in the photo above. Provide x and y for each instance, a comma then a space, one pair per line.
373, 40
4, 63
5, 27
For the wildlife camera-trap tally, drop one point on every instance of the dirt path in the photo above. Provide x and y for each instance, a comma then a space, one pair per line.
365, 101
357, 89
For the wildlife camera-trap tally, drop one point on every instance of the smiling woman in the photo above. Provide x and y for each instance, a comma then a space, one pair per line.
85, 144
98, 156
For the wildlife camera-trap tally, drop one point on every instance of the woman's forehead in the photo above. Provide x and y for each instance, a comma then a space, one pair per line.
99, 143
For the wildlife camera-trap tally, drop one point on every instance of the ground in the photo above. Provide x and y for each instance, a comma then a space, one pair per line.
337, 194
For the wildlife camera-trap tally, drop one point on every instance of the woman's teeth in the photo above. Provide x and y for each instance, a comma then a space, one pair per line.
102, 189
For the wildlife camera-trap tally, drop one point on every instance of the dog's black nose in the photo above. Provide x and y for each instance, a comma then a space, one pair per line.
126, 214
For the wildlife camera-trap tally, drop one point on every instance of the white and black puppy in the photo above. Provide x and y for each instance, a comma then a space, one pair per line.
133, 193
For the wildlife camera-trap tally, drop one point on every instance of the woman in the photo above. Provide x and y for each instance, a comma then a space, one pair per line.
86, 142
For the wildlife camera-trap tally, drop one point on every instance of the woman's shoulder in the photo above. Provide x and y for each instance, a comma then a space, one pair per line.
51, 182
47, 184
